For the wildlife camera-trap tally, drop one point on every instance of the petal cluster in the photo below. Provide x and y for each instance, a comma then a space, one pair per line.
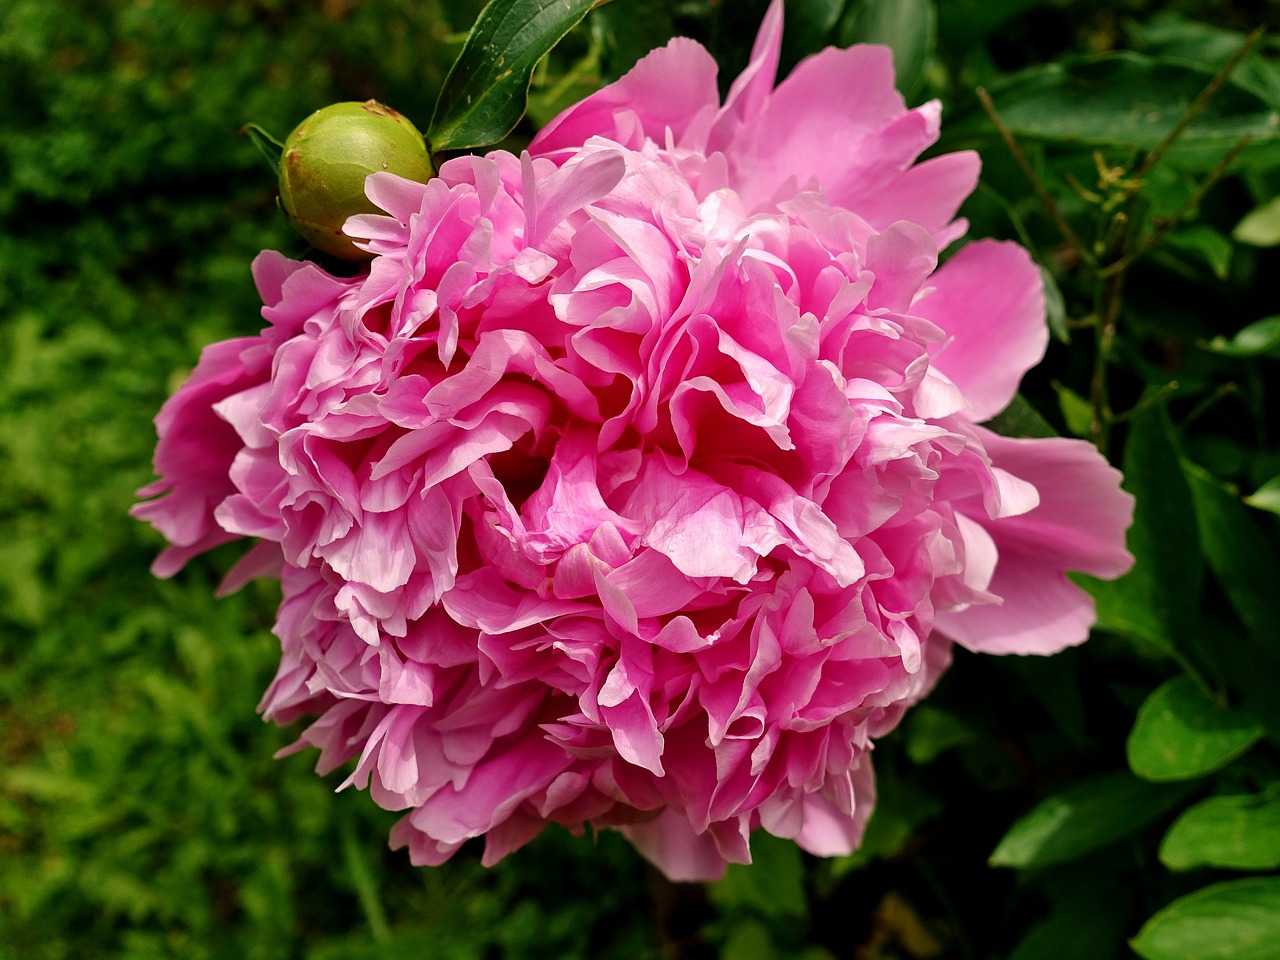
638, 481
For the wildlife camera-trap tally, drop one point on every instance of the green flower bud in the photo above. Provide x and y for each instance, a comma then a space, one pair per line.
326, 160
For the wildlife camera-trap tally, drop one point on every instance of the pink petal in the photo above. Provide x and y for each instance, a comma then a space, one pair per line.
989, 299
667, 90
1078, 525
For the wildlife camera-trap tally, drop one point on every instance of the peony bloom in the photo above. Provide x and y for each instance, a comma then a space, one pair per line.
638, 481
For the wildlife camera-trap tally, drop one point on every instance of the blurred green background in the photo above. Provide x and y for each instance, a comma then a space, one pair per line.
141, 812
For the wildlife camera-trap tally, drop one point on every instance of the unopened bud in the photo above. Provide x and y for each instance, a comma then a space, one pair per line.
326, 160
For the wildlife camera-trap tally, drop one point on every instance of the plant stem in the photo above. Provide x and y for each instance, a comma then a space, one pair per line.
1190, 204
1199, 103
1036, 183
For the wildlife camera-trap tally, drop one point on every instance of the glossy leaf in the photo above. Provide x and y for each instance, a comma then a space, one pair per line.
1020, 419
932, 731
1210, 246
1180, 733
632, 29
1238, 552
1173, 37
1076, 410
1266, 497
486, 91
1233, 833
1132, 101
809, 27
1055, 307
1088, 917
964, 23
1260, 339
908, 27
1236, 920
1159, 599
1260, 226
901, 811
1082, 818
772, 886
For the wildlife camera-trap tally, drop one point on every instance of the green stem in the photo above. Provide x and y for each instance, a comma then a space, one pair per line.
1036, 183
1183, 211
361, 876
267, 145
1198, 105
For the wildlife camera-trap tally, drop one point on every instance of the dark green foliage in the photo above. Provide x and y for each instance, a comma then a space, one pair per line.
485, 93
141, 812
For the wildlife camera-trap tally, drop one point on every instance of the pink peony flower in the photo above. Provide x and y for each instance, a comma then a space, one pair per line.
639, 480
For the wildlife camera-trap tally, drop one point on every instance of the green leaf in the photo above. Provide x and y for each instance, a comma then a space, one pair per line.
364, 880
1076, 410
1180, 733
1088, 917
1236, 920
771, 886
1207, 243
932, 731
1260, 339
1233, 833
1238, 551
485, 93
266, 144
908, 27
966, 23
1020, 419
1055, 307
901, 809
1171, 37
1266, 497
1082, 818
632, 29
809, 26
1131, 101
1260, 226
1158, 600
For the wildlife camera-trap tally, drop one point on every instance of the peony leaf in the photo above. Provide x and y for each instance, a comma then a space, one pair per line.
1260, 226
1055, 307
633, 29
268, 146
1259, 339
809, 26
1020, 419
1082, 818
1088, 917
1180, 733
1076, 410
487, 89
1266, 497
1245, 564
1132, 101
901, 811
772, 886
1233, 833
908, 27
1159, 599
965, 24
1238, 551
1236, 920
1207, 243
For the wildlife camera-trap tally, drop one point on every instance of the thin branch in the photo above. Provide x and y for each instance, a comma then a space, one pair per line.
1226, 390
1153, 399
1189, 205
1036, 183
1110, 300
1199, 103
